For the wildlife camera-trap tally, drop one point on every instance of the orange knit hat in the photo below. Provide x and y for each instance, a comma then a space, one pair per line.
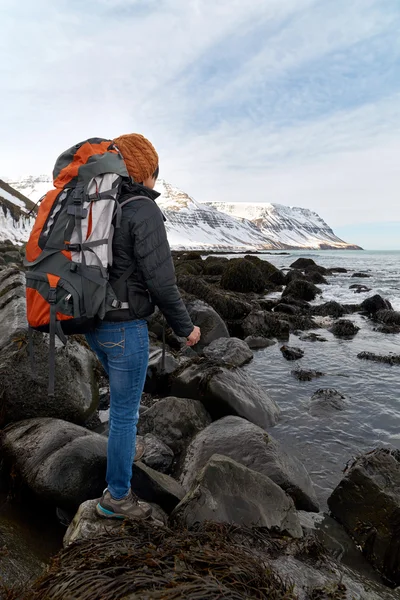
139, 154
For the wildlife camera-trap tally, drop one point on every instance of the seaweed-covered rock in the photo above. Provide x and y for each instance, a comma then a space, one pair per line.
271, 273
227, 492
361, 275
62, 464
389, 317
306, 375
175, 421
265, 324
316, 269
367, 503
226, 392
304, 290
291, 353
228, 351
211, 324
374, 304
242, 276
293, 275
327, 401
302, 263
329, 309
391, 359
316, 277
227, 304
254, 448
256, 342
344, 328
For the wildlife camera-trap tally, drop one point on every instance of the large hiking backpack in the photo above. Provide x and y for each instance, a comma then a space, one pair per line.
70, 246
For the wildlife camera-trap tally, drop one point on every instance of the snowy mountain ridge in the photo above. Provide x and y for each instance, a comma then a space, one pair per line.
15, 220
222, 226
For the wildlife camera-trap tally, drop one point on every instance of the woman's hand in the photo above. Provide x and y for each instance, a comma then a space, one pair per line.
194, 337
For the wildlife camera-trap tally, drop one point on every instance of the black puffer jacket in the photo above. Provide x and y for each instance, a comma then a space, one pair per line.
142, 239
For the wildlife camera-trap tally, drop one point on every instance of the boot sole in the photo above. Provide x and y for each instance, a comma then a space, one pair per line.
108, 514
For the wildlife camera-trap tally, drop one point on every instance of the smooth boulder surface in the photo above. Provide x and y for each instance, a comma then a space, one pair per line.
25, 393
255, 342
226, 392
228, 492
303, 290
262, 323
155, 487
303, 263
228, 351
327, 401
62, 464
254, 448
372, 305
367, 503
87, 525
291, 353
175, 421
211, 324
344, 328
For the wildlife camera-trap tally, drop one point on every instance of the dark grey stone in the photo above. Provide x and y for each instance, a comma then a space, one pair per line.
157, 455
152, 486
228, 351
326, 402
344, 328
292, 353
211, 324
255, 342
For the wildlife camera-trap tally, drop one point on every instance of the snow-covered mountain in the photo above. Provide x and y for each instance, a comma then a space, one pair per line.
293, 227
223, 226
15, 222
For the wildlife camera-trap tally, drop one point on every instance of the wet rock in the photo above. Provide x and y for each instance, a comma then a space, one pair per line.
361, 275
25, 394
62, 464
228, 492
242, 276
87, 525
211, 324
157, 455
389, 317
254, 448
317, 278
316, 269
344, 328
261, 323
327, 401
312, 337
227, 305
367, 503
155, 487
390, 359
293, 275
291, 353
372, 305
304, 290
359, 289
175, 421
104, 398
287, 309
302, 263
228, 351
255, 342
270, 272
329, 309
157, 373
306, 375
338, 270
227, 392
12, 256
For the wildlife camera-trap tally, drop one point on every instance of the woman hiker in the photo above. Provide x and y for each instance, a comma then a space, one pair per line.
121, 342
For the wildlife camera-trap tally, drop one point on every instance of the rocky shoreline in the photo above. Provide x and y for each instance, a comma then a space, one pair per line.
210, 458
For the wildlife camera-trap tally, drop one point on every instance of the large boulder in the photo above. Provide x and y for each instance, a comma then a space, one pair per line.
304, 290
271, 273
302, 263
226, 392
227, 304
155, 487
25, 394
254, 448
175, 421
227, 492
242, 276
255, 342
329, 309
265, 324
367, 503
62, 464
211, 324
292, 353
157, 455
344, 328
228, 351
372, 305
389, 321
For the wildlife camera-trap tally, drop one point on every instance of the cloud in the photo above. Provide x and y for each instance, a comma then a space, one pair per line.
291, 101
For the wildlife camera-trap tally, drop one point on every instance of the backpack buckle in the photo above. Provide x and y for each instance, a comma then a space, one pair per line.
73, 247
116, 304
52, 296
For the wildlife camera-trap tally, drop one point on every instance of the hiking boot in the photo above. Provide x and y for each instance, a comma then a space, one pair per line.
129, 507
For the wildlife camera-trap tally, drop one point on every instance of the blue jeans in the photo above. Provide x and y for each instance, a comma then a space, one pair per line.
123, 350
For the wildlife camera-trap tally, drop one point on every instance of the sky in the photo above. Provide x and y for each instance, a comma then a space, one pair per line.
288, 101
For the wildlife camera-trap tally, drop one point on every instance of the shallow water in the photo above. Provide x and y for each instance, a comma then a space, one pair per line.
372, 390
